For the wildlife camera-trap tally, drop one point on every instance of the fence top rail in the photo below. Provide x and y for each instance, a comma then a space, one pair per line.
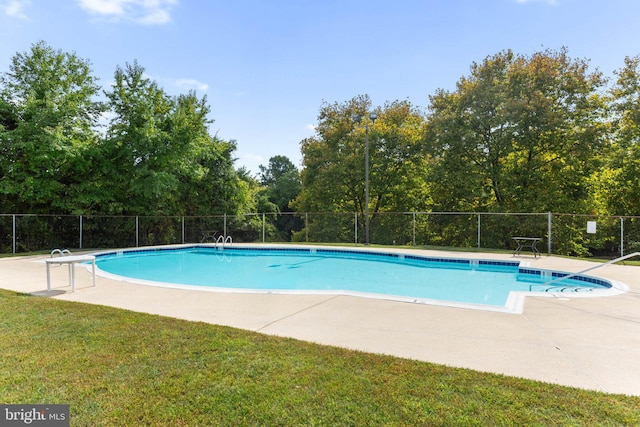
465, 213
322, 213
598, 216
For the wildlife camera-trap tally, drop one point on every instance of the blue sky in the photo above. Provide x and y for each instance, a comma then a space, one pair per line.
266, 66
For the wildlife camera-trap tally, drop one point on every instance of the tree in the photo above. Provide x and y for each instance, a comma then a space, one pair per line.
281, 184
203, 164
519, 134
138, 146
160, 158
618, 184
220, 188
281, 179
47, 119
334, 161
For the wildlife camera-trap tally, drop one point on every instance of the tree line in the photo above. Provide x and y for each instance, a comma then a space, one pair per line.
520, 133
154, 156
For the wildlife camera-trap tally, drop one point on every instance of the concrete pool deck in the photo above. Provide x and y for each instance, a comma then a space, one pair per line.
591, 343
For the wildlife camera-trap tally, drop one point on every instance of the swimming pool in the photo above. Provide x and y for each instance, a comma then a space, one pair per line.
477, 283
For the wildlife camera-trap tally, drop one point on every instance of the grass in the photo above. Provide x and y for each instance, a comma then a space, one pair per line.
117, 367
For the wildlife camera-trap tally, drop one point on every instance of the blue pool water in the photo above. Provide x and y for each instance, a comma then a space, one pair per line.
340, 271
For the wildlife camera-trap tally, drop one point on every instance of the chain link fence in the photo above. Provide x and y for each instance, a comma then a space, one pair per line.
563, 234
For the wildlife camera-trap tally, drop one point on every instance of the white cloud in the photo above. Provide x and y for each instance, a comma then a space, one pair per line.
15, 8
103, 7
142, 11
157, 16
192, 84
311, 127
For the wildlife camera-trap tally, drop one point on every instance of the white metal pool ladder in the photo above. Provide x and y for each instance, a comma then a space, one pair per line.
224, 241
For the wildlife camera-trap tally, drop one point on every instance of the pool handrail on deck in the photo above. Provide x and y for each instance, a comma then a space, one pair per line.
613, 261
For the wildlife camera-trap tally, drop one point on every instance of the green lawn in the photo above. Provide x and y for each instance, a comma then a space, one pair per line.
120, 368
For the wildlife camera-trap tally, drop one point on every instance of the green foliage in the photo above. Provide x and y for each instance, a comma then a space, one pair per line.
155, 158
333, 178
282, 181
281, 185
519, 134
327, 227
161, 157
47, 120
618, 185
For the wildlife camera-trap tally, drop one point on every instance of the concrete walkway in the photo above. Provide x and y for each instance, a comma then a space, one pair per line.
591, 343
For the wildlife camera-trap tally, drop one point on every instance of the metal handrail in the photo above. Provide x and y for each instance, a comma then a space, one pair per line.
62, 252
224, 241
568, 276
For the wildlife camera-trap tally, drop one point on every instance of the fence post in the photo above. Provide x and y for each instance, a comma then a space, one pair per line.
621, 236
14, 233
478, 230
414, 228
183, 230
80, 232
549, 233
306, 226
137, 233
262, 227
225, 226
355, 227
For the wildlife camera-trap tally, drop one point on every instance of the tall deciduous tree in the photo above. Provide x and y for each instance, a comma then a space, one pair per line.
138, 146
47, 120
333, 172
281, 180
334, 161
618, 184
519, 134
281, 184
160, 156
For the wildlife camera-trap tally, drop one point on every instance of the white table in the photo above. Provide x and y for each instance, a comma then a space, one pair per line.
70, 261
